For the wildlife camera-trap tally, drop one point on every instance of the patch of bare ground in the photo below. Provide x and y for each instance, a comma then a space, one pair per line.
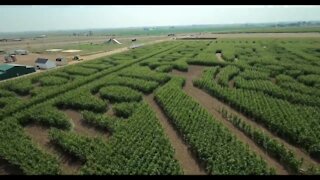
216, 105
205, 100
7, 169
231, 83
273, 80
26, 97
40, 136
219, 57
185, 157
37, 84
109, 110
83, 128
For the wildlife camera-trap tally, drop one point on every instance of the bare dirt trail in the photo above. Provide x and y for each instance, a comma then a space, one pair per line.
40, 136
184, 156
216, 105
231, 83
98, 55
7, 169
84, 128
205, 100
53, 42
219, 57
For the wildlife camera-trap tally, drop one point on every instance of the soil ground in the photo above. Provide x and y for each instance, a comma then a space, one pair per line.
39, 134
8, 169
219, 57
183, 154
205, 100
84, 128
216, 105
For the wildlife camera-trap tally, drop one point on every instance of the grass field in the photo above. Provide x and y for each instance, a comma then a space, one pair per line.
220, 107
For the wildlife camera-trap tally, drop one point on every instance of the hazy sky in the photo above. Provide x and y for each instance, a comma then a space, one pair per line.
30, 18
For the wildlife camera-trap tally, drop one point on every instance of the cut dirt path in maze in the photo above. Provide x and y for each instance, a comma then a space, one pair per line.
184, 156
7, 169
206, 101
219, 57
215, 105
84, 128
40, 136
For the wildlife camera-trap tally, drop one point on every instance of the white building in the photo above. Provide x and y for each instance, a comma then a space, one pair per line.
42, 63
21, 52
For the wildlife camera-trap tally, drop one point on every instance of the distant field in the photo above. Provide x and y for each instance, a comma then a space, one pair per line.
140, 31
232, 106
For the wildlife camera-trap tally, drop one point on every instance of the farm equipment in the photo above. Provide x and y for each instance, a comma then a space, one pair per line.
10, 58
77, 57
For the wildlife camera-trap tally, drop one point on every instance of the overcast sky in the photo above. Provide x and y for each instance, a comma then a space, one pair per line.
30, 18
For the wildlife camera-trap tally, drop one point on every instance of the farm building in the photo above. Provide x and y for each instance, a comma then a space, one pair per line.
42, 63
61, 61
21, 52
13, 70
113, 41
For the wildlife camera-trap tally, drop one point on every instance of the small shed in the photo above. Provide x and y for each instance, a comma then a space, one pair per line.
13, 70
60, 61
21, 52
43, 63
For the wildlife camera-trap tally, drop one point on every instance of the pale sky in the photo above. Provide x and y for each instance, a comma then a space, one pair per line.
67, 17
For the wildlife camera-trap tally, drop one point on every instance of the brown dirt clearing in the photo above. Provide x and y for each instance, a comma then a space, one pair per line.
40, 136
84, 128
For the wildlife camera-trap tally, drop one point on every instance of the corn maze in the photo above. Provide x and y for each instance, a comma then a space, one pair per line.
267, 90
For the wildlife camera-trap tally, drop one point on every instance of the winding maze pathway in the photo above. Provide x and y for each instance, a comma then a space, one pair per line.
185, 157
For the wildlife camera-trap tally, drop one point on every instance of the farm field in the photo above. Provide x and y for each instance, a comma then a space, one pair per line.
241, 105
89, 47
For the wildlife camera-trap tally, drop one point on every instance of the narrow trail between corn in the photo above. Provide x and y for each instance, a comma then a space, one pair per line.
211, 105
186, 159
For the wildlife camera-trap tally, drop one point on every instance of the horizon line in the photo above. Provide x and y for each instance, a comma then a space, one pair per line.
150, 26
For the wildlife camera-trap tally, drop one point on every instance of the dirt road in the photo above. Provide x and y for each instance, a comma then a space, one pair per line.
85, 58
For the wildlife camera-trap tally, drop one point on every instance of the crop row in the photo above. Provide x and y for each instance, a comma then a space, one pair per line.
221, 152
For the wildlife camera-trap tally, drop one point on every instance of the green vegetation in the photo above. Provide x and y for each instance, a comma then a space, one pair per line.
119, 93
275, 82
18, 150
221, 152
137, 146
271, 146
